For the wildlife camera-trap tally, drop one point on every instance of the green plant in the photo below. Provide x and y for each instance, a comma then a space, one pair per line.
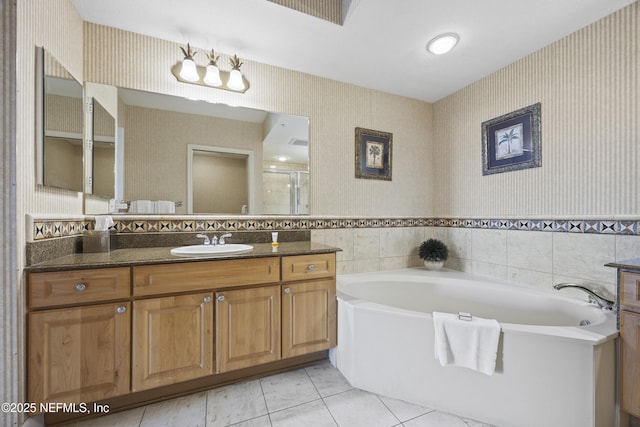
433, 250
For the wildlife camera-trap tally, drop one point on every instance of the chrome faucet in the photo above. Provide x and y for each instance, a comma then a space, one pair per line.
214, 239
593, 297
205, 237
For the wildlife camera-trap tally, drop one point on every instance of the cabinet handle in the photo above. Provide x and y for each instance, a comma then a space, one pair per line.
311, 267
121, 309
287, 290
207, 299
80, 287
221, 298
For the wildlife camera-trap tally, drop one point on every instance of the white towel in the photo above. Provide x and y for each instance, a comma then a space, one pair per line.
165, 207
470, 344
142, 207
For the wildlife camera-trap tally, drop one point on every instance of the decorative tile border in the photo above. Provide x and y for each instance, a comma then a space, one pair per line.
50, 229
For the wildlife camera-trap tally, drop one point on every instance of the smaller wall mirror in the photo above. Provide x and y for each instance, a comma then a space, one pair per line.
59, 142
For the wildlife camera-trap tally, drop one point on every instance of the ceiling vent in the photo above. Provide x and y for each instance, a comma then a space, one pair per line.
299, 142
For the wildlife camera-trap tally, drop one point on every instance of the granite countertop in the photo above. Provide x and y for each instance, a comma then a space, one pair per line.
161, 255
632, 264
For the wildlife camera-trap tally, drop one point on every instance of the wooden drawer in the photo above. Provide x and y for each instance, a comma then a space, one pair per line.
303, 267
193, 276
78, 286
629, 289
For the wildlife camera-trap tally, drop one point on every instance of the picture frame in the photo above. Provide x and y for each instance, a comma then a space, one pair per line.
373, 154
512, 142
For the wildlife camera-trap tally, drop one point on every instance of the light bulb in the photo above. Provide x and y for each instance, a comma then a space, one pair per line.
212, 77
189, 71
235, 80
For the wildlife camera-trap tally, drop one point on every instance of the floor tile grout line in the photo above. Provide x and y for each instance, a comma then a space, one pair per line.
265, 401
144, 411
295, 406
388, 409
322, 398
206, 408
329, 410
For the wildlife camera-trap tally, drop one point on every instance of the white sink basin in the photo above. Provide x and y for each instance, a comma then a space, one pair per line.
211, 250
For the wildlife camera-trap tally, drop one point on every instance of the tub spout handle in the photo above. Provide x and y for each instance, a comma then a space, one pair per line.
600, 301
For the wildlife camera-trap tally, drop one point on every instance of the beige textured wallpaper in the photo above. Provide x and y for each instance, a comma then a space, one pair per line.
589, 85
55, 25
335, 109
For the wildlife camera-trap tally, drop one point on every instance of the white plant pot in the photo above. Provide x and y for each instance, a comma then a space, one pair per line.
433, 265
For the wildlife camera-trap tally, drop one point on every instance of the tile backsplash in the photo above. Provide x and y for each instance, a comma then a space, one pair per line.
536, 252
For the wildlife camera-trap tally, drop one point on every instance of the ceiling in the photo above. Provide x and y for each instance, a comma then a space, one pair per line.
380, 44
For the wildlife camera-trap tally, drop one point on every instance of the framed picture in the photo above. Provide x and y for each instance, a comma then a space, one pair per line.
373, 154
512, 142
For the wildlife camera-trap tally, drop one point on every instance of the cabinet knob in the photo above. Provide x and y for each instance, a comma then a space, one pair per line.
311, 267
287, 290
221, 298
207, 299
121, 309
80, 287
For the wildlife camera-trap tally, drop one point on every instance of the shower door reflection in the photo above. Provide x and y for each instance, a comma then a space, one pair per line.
286, 192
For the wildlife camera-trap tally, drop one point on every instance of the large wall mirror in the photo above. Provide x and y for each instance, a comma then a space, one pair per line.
59, 142
194, 157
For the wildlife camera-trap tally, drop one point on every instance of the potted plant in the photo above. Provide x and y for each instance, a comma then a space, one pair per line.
434, 253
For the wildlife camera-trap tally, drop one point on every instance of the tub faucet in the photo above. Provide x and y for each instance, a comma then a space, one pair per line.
593, 297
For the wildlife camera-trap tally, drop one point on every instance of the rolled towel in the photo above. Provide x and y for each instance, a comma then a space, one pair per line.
470, 344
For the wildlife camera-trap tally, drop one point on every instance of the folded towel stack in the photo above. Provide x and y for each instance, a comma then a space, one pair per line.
470, 344
142, 207
165, 207
151, 207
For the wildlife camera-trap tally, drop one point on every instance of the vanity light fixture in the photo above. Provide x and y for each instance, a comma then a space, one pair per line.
212, 77
188, 72
443, 43
235, 77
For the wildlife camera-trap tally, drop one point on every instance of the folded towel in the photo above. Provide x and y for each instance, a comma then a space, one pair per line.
470, 344
165, 207
142, 207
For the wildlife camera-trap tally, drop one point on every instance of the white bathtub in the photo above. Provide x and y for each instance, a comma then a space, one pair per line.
550, 371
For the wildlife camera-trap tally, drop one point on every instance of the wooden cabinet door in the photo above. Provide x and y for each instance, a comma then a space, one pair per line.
79, 354
308, 317
248, 327
630, 362
172, 340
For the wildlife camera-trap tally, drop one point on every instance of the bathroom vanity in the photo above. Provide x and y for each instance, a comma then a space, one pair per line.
629, 318
135, 326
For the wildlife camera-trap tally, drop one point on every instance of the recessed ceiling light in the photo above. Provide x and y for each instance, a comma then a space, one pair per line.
281, 158
443, 43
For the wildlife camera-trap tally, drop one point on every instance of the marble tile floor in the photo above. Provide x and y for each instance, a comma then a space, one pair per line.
317, 395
